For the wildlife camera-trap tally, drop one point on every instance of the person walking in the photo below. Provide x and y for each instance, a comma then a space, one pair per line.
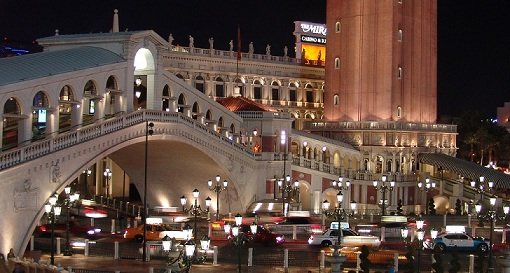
18, 268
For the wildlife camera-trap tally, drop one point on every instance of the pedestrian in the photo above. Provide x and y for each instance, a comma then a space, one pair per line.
18, 268
392, 270
11, 254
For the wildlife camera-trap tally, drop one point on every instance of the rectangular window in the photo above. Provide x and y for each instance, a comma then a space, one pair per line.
200, 86
257, 92
220, 91
293, 95
309, 96
275, 94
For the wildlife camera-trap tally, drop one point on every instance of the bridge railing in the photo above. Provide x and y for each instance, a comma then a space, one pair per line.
65, 140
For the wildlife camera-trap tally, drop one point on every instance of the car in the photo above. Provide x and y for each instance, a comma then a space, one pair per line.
74, 228
350, 238
458, 241
155, 232
262, 236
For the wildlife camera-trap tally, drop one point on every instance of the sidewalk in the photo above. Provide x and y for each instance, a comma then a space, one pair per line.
78, 261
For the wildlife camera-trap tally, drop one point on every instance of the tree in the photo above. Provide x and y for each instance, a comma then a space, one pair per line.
432, 209
458, 207
399, 207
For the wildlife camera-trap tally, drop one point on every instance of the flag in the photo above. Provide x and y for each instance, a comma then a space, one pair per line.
238, 43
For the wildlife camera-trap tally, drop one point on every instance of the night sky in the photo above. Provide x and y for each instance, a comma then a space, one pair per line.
473, 49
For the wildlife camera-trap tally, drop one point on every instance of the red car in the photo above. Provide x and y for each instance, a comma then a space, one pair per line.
74, 228
263, 236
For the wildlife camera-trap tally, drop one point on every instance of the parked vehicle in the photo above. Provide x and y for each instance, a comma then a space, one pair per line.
350, 238
458, 241
154, 233
74, 229
263, 236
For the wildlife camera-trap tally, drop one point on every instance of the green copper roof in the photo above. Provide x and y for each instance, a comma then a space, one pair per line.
38, 65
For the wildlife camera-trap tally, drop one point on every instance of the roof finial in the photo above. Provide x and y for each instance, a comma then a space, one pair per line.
115, 21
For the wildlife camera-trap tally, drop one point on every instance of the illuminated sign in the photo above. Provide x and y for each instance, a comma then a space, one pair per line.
314, 28
314, 40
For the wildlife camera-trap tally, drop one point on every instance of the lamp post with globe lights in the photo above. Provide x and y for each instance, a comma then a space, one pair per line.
217, 188
428, 186
238, 237
492, 216
195, 208
338, 214
287, 189
107, 179
383, 188
480, 186
53, 210
70, 200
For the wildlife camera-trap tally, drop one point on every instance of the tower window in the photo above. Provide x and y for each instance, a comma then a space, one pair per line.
337, 63
338, 27
399, 72
336, 99
399, 35
399, 112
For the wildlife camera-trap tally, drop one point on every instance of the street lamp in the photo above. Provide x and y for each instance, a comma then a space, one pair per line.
428, 186
217, 188
480, 186
287, 188
491, 215
239, 238
149, 130
195, 208
52, 211
338, 214
107, 178
339, 185
69, 202
283, 142
383, 188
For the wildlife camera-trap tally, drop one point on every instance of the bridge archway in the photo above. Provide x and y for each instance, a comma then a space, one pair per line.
175, 169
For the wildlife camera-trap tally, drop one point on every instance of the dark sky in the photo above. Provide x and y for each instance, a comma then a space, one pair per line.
473, 49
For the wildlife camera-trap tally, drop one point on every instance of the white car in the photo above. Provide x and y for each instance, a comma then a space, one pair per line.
350, 238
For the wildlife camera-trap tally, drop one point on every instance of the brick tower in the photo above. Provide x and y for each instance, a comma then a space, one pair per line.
381, 61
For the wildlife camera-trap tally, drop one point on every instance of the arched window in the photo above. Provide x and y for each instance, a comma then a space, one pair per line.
220, 125
399, 35
336, 99
219, 87
181, 103
399, 72
257, 90
231, 132
399, 111
337, 63
195, 112
39, 117
166, 98
200, 84
338, 27
90, 95
309, 93
275, 91
10, 130
292, 92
